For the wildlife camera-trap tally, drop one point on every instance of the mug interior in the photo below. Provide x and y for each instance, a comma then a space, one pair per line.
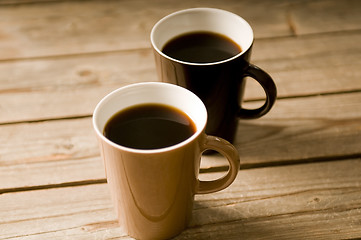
202, 19
150, 92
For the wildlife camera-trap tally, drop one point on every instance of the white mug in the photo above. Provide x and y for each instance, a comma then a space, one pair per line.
153, 190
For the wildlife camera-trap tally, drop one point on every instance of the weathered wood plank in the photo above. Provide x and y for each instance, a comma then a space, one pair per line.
8, 2
47, 141
42, 175
71, 86
309, 65
296, 130
313, 128
77, 72
27, 30
58, 64
55, 212
51, 153
318, 201
94, 26
310, 17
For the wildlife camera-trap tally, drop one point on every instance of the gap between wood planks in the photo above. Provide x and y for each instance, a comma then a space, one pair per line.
116, 51
253, 100
49, 186
202, 171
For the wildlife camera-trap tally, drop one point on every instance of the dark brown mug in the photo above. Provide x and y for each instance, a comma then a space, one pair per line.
219, 84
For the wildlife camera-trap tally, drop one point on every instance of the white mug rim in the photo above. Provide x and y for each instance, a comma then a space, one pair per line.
105, 99
159, 51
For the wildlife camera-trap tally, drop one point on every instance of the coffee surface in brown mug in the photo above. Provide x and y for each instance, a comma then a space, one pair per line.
201, 47
149, 126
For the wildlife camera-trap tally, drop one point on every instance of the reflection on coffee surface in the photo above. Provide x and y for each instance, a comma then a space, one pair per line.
201, 47
149, 126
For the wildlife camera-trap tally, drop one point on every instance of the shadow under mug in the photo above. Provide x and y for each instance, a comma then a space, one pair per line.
220, 85
153, 190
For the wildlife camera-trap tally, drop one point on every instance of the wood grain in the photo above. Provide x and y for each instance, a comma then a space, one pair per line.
297, 130
27, 29
300, 174
72, 86
300, 201
119, 25
314, 128
313, 17
56, 88
309, 65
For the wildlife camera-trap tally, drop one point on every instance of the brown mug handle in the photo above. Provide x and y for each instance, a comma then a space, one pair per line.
231, 154
269, 88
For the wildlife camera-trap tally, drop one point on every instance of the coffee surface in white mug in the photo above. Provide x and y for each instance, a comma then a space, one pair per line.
149, 126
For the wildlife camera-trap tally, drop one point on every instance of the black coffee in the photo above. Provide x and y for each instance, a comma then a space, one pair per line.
201, 47
149, 126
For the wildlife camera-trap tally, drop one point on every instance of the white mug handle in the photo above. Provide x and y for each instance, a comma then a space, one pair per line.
231, 154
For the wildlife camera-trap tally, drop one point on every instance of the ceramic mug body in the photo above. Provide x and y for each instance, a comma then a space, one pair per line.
220, 85
153, 190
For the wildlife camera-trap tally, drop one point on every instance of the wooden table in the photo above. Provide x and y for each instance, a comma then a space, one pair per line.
300, 175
